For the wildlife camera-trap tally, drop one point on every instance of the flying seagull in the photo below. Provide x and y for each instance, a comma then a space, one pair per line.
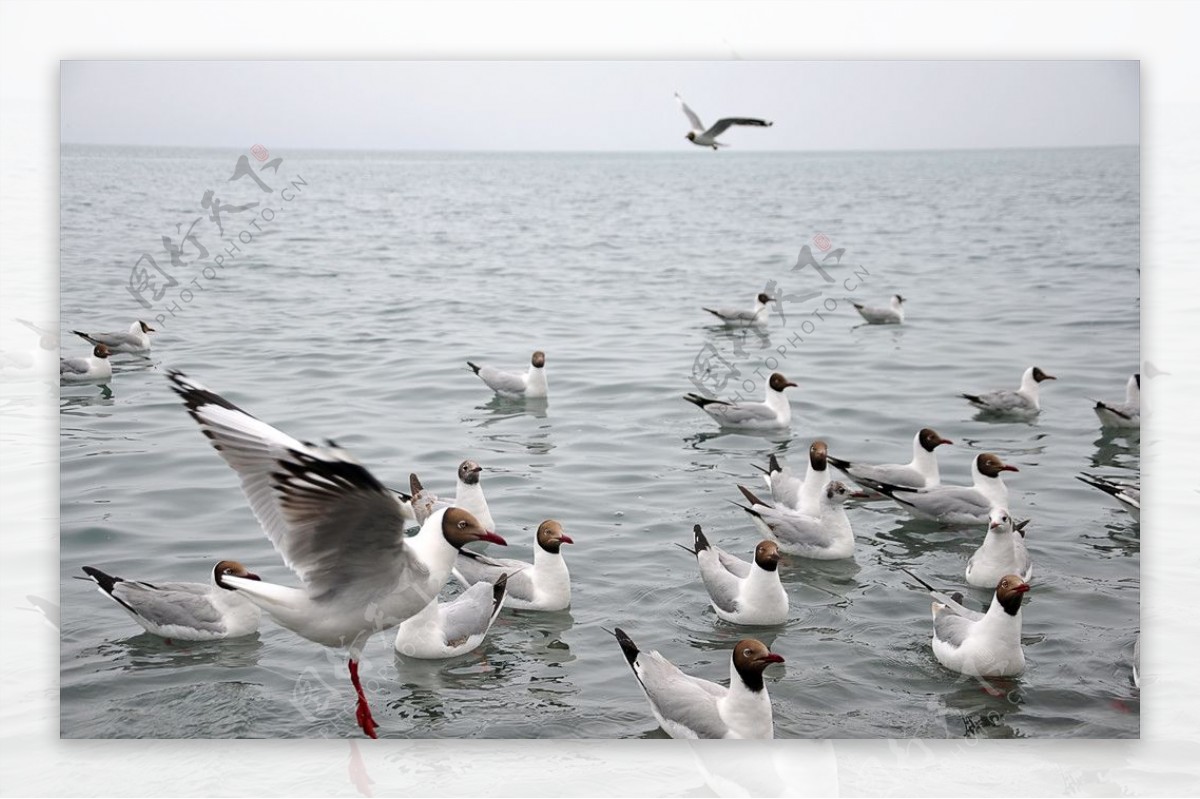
701, 137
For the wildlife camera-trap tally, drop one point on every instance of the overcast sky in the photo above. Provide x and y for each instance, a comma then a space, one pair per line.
598, 105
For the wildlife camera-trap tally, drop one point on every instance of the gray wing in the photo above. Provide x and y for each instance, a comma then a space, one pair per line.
952, 628
1000, 401
333, 523
735, 314
794, 528
785, 488
693, 120
724, 124
733, 564
111, 340
182, 604
722, 586
472, 613
505, 382
891, 473
878, 314
954, 608
946, 501
73, 366
680, 698
740, 412
472, 568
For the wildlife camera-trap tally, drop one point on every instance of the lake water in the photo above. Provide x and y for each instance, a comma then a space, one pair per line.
367, 280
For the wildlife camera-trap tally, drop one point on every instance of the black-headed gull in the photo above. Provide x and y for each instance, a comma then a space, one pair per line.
137, 340
774, 412
742, 592
185, 611
957, 505
980, 644
825, 535
891, 315
1023, 401
337, 527
741, 317
1002, 552
468, 495
702, 137
449, 629
531, 384
1129, 494
689, 707
543, 585
94, 369
920, 472
1123, 415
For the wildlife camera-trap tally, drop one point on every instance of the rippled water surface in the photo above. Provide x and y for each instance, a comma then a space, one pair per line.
348, 312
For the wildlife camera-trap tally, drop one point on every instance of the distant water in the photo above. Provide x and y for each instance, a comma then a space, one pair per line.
349, 314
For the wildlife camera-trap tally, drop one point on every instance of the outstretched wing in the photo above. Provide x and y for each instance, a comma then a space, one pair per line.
694, 120
724, 124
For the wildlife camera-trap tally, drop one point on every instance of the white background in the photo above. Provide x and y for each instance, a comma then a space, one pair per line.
35, 36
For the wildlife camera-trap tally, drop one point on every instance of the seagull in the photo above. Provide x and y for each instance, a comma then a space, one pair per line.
741, 592
1127, 493
543, 585
740, 317
920, 472
469, 494
449, 629
337, 527
530, 385
980, 644
96, 369
1127, 414
892, 315
185, 611
1002, 552
957, 505
708, 138
1023, 400
773, 412
825, 535
689, 707
137, 340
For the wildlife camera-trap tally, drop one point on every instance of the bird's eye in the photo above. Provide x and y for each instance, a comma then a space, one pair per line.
462, 525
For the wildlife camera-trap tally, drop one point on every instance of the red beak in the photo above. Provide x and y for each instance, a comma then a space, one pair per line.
566, 539
492, 537
771, 657
1022, 588
1007, 468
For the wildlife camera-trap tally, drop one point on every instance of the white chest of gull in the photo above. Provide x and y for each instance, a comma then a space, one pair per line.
1002, 553
136, 340
745, 317
691, 707
958, 505
823, 535
543, 585
742, 592
449, 629
86, 370
891, 315
980, 644
774, 412
530, 385
1123, 415
185, 611
337, 527
707, 137
1022, 401
920, 472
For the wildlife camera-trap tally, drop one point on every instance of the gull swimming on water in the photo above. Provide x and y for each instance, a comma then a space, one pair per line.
453, 628
702, 137
891, 315
920, 472
741, 317
1123, 415
773, 412
741, 592
96, 369
531, 385
1023, 400
1002, 552
957, 505
137, 340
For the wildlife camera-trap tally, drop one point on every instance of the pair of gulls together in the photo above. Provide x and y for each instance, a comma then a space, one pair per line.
342, 532
97, 368
760, 313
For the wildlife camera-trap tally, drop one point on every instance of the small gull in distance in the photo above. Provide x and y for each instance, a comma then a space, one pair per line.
1022, 401
1002, 552
692, 708
773, 412
702, 137
185, 611
544, 585
449, 629
94, 369
980, 644
531, 384
136, 341
742, 592
742, 317
1123, 415
891, 315
921, 472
